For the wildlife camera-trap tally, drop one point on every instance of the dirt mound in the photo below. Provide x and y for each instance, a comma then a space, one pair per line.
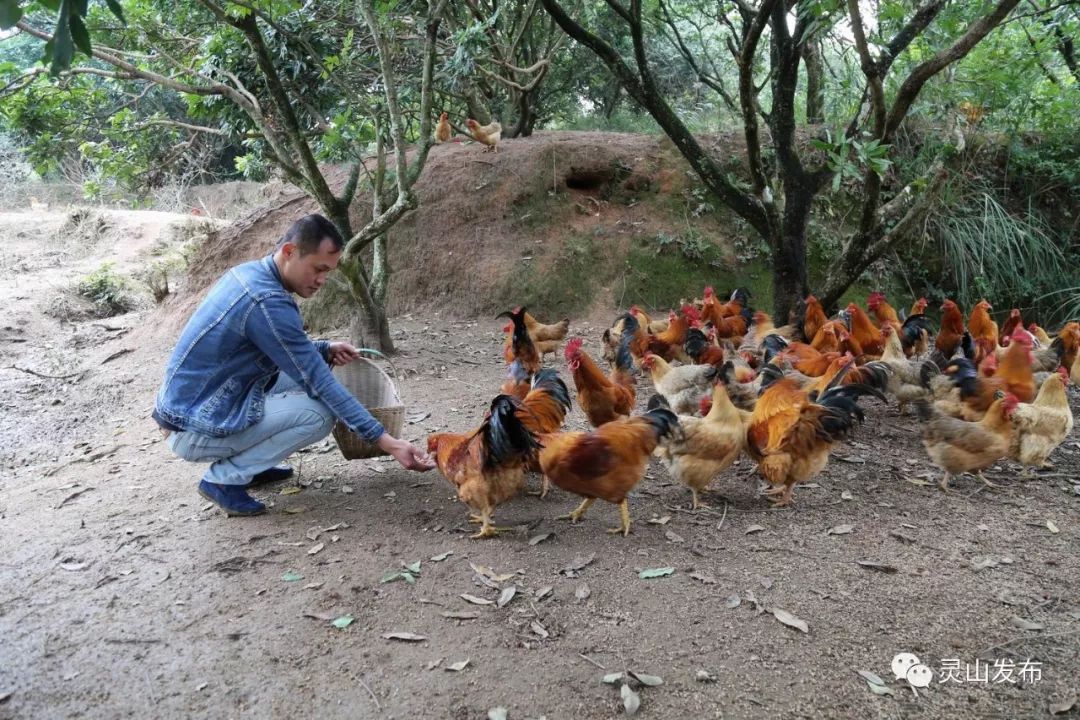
562, 221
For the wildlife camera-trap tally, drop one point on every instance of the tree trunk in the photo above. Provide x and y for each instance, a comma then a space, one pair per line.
526, 115
372, 330
815, 83
380, 269
476, 105
369, 326
790, 282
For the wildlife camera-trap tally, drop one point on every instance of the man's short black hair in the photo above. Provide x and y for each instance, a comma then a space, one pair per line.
308, 232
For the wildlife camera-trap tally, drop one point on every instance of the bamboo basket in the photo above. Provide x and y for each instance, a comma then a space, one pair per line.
376, 391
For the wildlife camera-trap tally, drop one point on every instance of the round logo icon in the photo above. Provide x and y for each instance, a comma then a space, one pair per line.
920, 676
902, 663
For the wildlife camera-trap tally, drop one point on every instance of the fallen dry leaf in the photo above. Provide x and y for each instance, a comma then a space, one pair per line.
790, 620
404, 636
649, 680
506, 596
476, 600
1064, 706
316, 548
871, 677
537, 539
631, 700
579, 563
490, 574
754, 529
840, 530
1023, 624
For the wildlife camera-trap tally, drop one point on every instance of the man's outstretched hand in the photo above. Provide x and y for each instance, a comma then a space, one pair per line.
407, 455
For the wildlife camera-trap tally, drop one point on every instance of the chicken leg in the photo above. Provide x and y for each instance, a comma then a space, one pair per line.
785, 496
943, 484
578, 512
486, 528
545, 488
696, 503
624, 515
986, 481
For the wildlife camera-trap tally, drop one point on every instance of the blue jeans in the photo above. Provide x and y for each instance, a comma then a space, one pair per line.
291, 421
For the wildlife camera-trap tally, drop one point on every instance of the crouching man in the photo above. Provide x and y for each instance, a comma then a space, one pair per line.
246, 387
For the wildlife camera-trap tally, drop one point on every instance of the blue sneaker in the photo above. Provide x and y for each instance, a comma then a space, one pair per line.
233, 499
272, 475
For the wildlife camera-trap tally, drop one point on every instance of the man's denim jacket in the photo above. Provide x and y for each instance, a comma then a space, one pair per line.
229, 355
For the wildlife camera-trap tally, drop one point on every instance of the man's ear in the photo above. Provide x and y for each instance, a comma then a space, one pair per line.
287, 249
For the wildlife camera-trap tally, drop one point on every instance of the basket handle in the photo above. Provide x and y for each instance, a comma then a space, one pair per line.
393, 367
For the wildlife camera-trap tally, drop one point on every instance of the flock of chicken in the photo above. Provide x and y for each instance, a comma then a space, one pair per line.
728, 382
487, 135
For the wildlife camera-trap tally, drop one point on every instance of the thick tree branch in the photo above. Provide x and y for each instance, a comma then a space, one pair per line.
910, 88
212, 88
755, 26
865, 248
710, 173
911, 30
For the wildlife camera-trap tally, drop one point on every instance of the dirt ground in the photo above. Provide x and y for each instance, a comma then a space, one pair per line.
124, 594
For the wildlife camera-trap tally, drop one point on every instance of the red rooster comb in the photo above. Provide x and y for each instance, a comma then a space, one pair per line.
1011, 401
709, 291
1022, 335
573, 348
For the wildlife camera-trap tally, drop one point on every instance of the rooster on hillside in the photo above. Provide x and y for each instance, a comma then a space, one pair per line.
488, 135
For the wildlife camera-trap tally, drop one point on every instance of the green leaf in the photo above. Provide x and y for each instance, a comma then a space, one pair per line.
116, 10
655, 572
63, 49
10, 13
343, 622
53, 5
292, 576
80, 35
414, 568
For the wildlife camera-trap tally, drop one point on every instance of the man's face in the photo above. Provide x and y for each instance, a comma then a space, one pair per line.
304, 275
